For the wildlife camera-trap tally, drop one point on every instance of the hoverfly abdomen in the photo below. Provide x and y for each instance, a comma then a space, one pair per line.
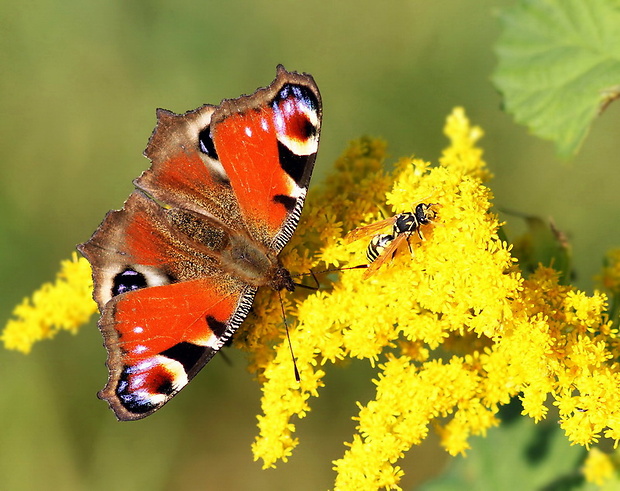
377, 245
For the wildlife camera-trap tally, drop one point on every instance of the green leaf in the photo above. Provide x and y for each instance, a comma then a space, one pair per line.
559, 66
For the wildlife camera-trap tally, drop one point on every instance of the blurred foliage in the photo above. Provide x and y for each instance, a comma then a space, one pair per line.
559, 66
520, 454
80, 84
542, 243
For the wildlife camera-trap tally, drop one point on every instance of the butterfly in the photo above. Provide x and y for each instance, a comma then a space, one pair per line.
176, 269
384, 246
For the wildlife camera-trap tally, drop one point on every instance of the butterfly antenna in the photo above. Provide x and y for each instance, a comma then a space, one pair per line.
316, 281
288, 337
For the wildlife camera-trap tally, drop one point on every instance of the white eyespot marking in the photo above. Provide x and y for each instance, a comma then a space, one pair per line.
154, 277
211, 342
140, 349
138, 330
264, 124
248, 131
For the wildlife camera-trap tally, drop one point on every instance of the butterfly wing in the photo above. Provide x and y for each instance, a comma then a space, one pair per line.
159, 338
169, 271
260, 149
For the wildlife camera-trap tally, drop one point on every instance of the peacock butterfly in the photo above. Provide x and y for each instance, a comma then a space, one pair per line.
176, 269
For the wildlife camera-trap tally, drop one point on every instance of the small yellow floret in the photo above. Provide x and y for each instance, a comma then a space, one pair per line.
598, 467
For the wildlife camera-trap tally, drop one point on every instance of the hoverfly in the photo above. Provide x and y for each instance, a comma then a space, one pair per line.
384, 246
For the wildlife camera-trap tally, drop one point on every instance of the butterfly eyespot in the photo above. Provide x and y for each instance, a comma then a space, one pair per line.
127, 281
299, 93
297, 122
147, 385
295, 115
137, 402
205, 143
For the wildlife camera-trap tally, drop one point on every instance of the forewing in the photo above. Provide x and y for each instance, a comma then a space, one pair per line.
267, 145
246, 162
366, 230
181, 174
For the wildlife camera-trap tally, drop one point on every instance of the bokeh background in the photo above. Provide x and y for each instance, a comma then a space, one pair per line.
79, 84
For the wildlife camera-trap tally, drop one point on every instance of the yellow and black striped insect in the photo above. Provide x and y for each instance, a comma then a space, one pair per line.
384, 246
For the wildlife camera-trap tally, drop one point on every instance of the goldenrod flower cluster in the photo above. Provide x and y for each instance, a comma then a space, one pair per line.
65, 304
452, 327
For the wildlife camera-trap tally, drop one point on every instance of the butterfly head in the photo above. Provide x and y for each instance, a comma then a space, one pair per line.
281, 279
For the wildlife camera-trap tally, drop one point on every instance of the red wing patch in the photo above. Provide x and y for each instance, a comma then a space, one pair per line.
267, 154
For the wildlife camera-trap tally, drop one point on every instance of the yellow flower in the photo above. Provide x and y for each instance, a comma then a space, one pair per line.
65, 304
453, 328
460, 281
598, 467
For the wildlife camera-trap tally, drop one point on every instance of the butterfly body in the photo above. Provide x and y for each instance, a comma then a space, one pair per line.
176, 270
383, 246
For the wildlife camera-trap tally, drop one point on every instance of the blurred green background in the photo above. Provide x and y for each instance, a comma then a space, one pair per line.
80, 81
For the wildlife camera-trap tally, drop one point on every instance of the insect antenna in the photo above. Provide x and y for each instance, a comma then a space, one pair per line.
334, 270
288, 337
323, 271
308, 287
